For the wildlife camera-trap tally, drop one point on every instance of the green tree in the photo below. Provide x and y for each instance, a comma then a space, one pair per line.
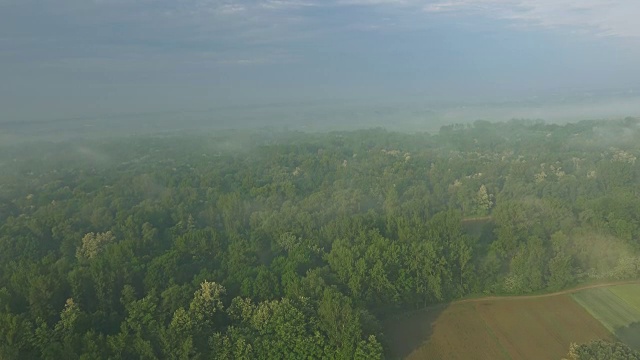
601, 350
93, 244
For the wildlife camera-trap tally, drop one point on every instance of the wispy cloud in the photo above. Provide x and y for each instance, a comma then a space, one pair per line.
128, 62
599, 17
250, 32
212, 31
81, 56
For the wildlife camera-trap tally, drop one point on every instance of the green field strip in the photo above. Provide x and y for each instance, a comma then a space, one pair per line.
629, 293
612, 311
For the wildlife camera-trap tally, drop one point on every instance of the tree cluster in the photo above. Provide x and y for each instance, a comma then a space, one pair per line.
294, 245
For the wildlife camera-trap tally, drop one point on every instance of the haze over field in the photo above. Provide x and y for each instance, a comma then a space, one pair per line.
314, 64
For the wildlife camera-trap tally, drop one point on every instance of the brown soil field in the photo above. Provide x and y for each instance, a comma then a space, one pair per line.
458, 327
510, 328
540, 328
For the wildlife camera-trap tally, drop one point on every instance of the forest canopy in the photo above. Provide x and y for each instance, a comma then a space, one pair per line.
264, 244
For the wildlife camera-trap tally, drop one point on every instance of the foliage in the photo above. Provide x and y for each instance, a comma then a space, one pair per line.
601, 350
258, 244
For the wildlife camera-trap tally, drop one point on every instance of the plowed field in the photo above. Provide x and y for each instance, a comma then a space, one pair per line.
527, 328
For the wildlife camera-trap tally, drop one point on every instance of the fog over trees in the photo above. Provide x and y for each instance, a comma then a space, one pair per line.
262, 244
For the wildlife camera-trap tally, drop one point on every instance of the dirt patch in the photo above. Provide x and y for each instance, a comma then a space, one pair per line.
528, 328
460, 333
540, 328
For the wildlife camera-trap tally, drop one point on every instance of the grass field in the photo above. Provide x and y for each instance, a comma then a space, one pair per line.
612, 311
617, 308
629, 293
540, 328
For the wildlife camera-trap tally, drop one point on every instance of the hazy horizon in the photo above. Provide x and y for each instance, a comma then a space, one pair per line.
225, 60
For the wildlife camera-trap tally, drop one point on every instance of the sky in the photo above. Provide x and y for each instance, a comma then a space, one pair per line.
81, 58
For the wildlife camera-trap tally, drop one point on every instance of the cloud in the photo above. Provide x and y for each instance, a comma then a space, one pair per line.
602, 17
287, 4
599, 17
101, 33
250, 32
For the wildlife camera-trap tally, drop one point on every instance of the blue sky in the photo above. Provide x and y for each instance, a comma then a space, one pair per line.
75, 58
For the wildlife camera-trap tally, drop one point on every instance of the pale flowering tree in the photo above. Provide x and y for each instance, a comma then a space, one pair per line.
484, 199
68, 317
93, 244
206, 302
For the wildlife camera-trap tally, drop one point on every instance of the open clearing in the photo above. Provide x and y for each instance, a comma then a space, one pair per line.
617, 308
527, 328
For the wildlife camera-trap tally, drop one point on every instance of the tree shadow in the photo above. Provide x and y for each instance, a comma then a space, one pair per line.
630, 335
482, 231
407, 332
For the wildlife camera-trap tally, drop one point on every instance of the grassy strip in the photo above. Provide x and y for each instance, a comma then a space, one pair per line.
629, 293
612, 311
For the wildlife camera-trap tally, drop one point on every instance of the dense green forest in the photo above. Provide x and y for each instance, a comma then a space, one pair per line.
266, 244
602, 350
